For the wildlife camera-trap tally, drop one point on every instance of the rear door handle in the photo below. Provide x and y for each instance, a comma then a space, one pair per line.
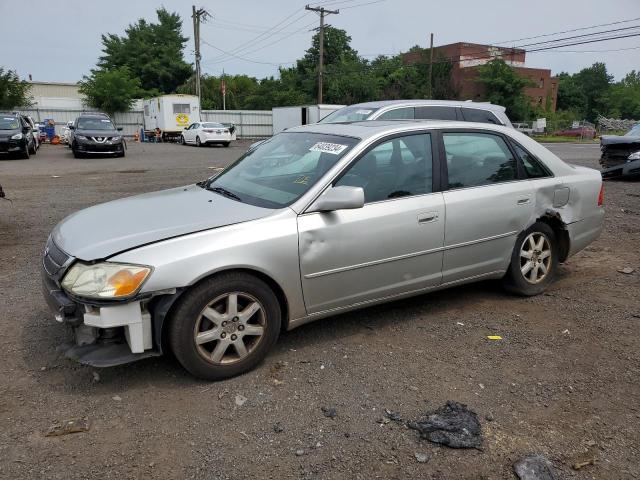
523, 201
428, 217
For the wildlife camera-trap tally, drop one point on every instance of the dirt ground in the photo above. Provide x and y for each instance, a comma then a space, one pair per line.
563, 381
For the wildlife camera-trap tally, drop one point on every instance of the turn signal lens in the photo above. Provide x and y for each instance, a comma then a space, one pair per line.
601, 196
105, 280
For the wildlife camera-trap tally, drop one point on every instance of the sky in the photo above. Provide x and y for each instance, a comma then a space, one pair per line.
61, 40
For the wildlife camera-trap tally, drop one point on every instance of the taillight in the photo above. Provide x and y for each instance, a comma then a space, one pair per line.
601, 196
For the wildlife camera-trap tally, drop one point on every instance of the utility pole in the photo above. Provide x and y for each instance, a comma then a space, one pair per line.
431, 67
322, 11
198, 16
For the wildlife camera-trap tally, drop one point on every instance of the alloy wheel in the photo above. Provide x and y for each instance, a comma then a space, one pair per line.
535, 257
229, 328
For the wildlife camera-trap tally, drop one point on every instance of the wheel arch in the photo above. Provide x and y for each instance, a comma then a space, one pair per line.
162, 306
559, 227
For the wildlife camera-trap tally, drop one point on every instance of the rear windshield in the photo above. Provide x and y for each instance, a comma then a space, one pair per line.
9, 123
89, 123
282, 169
212, 125
634, 132
349, 114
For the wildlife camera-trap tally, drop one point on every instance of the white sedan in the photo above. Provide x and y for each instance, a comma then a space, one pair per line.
206, 133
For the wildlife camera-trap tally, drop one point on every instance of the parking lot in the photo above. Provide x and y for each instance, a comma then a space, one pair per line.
563, 381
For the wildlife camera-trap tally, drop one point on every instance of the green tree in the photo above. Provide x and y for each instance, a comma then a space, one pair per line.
111, 90
595, 83
571, 95
153, 53
625, 97
503, 86
13, 91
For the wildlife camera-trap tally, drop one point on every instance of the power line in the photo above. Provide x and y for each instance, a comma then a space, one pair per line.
566, 31
363, 4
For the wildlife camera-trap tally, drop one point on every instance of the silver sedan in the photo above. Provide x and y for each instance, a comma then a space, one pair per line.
315, 221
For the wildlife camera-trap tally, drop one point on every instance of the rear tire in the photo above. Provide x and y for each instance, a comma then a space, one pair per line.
198, 144
226, 144
534, 261
241, 324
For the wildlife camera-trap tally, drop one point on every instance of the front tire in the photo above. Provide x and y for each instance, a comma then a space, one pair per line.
182, 142
33, 150
226, 144
534, 261
25, 154
224, 326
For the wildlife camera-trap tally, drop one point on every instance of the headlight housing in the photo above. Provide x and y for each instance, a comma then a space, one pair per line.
17, 136
105, 280
116, 139
634, 156
81, 137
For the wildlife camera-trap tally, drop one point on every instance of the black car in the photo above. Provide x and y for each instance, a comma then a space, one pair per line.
621, 154
95, 134
16, 136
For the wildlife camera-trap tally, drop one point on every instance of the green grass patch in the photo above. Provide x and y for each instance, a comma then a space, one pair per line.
558, 139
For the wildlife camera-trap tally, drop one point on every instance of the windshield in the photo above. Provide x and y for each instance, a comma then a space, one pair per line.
95, 124
212, 125
280, 170
634, 132
9, 123
349, 114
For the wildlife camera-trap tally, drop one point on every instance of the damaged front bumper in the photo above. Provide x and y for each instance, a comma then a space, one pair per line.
105, 334
627, 169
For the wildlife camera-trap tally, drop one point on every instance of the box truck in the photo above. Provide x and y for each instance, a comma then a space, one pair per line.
171, 114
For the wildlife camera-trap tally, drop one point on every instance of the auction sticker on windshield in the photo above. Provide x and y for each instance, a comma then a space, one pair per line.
363, 112
324, 147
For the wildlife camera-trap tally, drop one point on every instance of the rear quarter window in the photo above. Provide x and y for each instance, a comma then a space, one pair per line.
480, 116
436, 113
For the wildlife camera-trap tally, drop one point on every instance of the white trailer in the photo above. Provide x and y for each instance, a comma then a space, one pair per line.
287, 117
170, 113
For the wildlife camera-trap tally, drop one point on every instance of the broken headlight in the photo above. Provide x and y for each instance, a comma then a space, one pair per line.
105, 280
634, 156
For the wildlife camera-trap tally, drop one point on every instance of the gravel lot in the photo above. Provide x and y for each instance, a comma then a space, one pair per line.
563, 382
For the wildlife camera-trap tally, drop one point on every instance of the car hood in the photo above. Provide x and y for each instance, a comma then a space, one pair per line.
616, 139
103, 230
8, 133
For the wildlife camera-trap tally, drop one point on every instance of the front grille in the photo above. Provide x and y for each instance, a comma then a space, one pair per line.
54, 258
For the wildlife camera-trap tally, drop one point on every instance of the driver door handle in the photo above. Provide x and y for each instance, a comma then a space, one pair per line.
428, 217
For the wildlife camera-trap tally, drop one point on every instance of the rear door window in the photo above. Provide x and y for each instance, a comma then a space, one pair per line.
480, 116
404, 113
436, 113
475, 159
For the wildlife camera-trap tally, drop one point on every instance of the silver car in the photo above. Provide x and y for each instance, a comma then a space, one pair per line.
317, 220
464, 111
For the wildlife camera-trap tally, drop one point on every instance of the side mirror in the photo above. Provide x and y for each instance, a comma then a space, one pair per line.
119, 129
71, 127
339, 198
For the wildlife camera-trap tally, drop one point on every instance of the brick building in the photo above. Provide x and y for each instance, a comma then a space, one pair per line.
466, 57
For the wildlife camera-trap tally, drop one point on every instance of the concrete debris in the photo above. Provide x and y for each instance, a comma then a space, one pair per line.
329, 412
278, 428
534, 467
453, 425
422, 457
117, 398
626, 270
68, 426
240, 400
299, 452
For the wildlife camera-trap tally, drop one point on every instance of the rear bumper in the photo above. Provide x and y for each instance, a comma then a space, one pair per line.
585, 231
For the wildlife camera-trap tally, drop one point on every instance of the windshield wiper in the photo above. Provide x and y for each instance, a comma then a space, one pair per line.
224, 192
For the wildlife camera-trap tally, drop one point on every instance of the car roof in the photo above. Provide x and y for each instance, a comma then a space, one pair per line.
444, 103
93, 114
371, 128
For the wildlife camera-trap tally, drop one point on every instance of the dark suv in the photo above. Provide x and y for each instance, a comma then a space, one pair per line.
16, 135
95, 134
